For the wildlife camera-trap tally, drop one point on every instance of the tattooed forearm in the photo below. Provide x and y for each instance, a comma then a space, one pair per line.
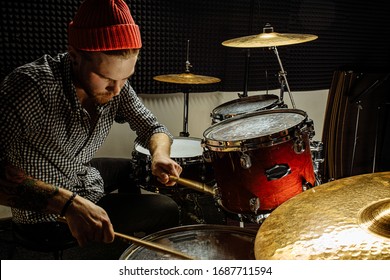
30, 194
19, 190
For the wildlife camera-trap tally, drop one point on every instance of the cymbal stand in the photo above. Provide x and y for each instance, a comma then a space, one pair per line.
186, 91
185, 132
248, 54
283, 79
246, 77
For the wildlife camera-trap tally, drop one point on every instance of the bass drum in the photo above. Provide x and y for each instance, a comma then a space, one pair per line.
203, 242
244, 105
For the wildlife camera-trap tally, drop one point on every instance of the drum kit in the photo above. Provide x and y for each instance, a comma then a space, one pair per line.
257, 161
345, 219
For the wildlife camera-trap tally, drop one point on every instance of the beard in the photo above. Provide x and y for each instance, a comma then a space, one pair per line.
98, 98
101, 98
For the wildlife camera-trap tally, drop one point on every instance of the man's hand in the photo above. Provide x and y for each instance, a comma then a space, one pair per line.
162, 165
89, 222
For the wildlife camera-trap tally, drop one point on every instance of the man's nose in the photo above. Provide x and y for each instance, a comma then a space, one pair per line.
114, 87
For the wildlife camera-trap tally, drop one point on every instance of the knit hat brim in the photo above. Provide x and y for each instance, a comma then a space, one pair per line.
116, 37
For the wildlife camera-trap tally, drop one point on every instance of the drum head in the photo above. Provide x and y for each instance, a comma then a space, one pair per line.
264, 126
245, 105
182, 147
203, 242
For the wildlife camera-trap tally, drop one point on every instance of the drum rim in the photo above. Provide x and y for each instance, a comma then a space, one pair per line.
174, 138
166, 232
194, 158
220, 116
254, 142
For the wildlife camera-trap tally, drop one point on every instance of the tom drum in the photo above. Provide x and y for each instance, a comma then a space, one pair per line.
244, 105
260, 159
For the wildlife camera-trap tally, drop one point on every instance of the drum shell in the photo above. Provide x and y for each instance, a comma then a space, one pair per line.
248, 190
237, 186
205, 242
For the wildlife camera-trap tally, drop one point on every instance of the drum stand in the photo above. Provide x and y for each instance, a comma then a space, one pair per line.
186, 91
185, 132
186, 79
254, 219
246, 77
283, 79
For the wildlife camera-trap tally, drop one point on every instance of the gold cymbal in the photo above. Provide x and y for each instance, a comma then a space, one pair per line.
344, 219
376, 218
268, 39
186, 78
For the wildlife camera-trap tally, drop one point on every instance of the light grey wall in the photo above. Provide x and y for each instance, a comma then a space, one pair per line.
5, 212
169, 110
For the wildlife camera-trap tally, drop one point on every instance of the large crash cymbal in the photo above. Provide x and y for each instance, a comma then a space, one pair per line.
186, 79
346, 219
268, 39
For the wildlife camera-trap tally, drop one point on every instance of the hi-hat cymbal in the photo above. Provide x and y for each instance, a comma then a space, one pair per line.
187, 79
344, 219
268, 39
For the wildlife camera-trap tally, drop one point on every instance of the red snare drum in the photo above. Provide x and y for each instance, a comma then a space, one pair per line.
260, 159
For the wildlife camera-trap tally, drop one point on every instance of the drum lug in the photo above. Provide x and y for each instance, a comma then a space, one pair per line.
310, 128
218, 197
254, 204
206, 155
278, 171
245, 161
299, 144
306, 185
299, 147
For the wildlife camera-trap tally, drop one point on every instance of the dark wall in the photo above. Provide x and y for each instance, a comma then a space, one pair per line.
356, 124
352, 34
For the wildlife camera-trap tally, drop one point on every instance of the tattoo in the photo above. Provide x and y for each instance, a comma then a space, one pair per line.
22, 191
32, 194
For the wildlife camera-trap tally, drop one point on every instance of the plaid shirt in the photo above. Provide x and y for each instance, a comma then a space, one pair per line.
46, 132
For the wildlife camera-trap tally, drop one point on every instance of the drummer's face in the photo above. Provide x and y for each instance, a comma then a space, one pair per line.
103, 76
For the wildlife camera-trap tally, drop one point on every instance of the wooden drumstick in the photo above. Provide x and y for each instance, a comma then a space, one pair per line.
152, 246
144, 243
193, 185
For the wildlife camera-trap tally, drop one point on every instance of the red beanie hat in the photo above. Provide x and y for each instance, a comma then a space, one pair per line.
102, 25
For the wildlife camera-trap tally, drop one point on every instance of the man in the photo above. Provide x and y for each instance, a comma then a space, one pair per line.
55, 114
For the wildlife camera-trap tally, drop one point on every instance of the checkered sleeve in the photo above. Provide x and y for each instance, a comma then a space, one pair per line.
140, 118
20, 110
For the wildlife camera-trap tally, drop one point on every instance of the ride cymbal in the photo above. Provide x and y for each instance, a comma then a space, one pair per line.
186, 78
345, 219
268, 38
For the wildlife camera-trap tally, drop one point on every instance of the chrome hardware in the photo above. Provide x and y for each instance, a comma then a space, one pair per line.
278, 171
254, 204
